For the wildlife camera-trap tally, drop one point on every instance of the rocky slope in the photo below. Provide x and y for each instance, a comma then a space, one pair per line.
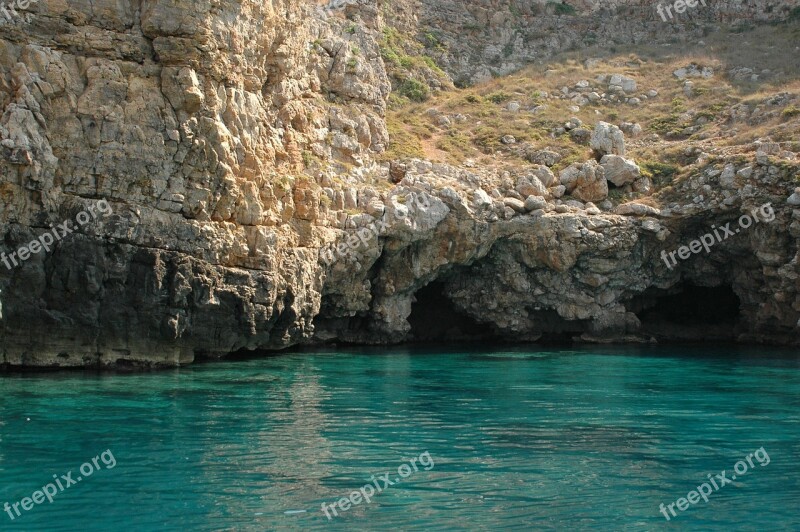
243, 150
483, 38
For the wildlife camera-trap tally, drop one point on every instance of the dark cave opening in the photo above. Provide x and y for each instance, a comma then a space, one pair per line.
434, 319
690, 313
555, 330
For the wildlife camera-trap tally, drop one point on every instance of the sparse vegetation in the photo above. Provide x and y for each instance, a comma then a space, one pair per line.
403, 144
562, 8
791, 112
661, 174
498, 97
409, 67
468, 123
308, 158
471, 26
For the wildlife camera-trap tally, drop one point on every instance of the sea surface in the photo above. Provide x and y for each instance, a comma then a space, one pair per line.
502, 439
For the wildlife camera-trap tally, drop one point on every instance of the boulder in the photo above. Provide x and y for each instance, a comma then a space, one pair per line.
481, 199
558, 191
619, 170
643, 185
585, 181
794, 199
631, 129
531, 186
693, 71
636, 209
535, 202
607, 139
568, 177
397, 171
580, 135
515, 204
545, 175
728, 177
545, 157
618, 82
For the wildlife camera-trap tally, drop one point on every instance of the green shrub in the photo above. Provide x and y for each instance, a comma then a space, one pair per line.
661, 174
414, 90
562, 8
791, 112
308, 158
708, 114
498, 97
390, 55
667, 125
486, 139
432, 41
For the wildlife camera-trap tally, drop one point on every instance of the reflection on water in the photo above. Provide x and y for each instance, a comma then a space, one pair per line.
521, 440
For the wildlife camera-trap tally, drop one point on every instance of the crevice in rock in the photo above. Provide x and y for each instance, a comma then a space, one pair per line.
554, 329
688, 312
434, 318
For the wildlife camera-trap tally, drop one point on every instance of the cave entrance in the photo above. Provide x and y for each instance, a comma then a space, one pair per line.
689, 313
435, 319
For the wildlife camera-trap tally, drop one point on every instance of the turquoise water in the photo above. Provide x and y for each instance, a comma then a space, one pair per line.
518, 440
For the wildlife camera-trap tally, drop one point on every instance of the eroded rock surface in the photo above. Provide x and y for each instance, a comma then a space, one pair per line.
236, 143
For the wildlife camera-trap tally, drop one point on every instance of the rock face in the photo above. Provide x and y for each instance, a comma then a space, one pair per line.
195, 130
235, 145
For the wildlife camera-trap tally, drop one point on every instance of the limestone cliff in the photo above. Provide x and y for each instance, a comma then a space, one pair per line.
236, 142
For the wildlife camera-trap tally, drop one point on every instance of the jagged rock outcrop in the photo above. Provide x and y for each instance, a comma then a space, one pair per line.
236, 144
194, 122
